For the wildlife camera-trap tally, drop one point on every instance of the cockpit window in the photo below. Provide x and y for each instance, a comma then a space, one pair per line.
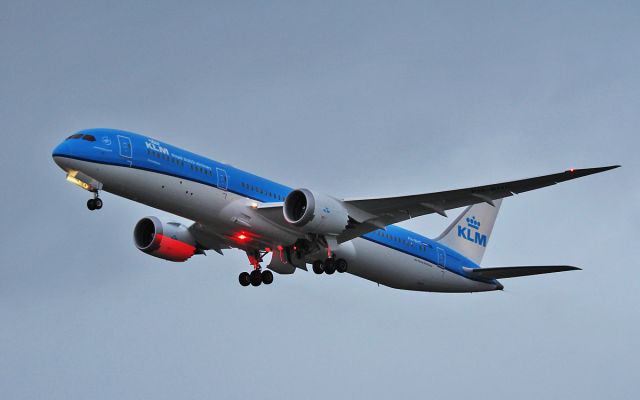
75, 136
90, 138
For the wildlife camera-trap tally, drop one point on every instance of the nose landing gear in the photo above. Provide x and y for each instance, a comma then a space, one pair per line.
95, 203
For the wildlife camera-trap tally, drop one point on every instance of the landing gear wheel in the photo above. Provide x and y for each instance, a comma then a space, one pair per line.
317, 267
329, 266
91, 204
267, 277
341, 265
98, 203
256, 277
244, 278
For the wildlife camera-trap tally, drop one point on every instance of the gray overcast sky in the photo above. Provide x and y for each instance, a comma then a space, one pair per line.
353, 99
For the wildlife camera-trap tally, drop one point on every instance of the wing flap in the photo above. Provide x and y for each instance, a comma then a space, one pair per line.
513, 272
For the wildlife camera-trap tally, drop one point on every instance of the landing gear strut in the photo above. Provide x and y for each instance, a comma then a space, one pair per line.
257, 276
95, 203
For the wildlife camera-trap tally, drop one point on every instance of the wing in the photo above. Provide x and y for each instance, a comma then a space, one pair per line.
513, 272
371, 214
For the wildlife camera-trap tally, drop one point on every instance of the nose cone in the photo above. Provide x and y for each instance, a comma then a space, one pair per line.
60, 152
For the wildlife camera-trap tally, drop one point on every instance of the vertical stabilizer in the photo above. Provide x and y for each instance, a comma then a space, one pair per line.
469, 233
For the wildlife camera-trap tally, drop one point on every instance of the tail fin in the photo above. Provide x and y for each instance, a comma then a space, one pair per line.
469, 233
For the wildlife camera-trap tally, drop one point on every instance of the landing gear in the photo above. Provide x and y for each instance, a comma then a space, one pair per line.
341, 265
329, 266
257, 276
95, 203
267, 277
317, 267
244, 278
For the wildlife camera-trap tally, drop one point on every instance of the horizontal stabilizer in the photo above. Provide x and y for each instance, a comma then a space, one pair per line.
513, 272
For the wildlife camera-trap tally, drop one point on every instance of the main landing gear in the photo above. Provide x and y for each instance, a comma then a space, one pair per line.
257, 276
95, 203
329, 266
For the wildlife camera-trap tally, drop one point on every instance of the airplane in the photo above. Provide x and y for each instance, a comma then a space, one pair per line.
234, 209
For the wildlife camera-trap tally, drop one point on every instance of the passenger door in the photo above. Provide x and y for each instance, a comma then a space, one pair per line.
223, 181
126, 152
442, 257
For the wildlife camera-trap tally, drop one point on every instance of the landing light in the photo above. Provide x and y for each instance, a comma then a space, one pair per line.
71, 177
254, 205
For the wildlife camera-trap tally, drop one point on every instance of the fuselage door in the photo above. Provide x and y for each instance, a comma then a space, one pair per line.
223, 180
442, 257
124, 143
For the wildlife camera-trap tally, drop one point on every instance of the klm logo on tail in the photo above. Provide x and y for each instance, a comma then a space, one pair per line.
470, 232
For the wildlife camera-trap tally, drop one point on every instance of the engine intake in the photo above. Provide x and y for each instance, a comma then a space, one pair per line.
315, 212
171, 240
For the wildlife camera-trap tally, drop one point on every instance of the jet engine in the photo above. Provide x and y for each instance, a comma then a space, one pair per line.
168, 240
315, 212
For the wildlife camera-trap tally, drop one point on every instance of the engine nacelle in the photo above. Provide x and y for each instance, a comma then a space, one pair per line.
171, 240
315, 212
